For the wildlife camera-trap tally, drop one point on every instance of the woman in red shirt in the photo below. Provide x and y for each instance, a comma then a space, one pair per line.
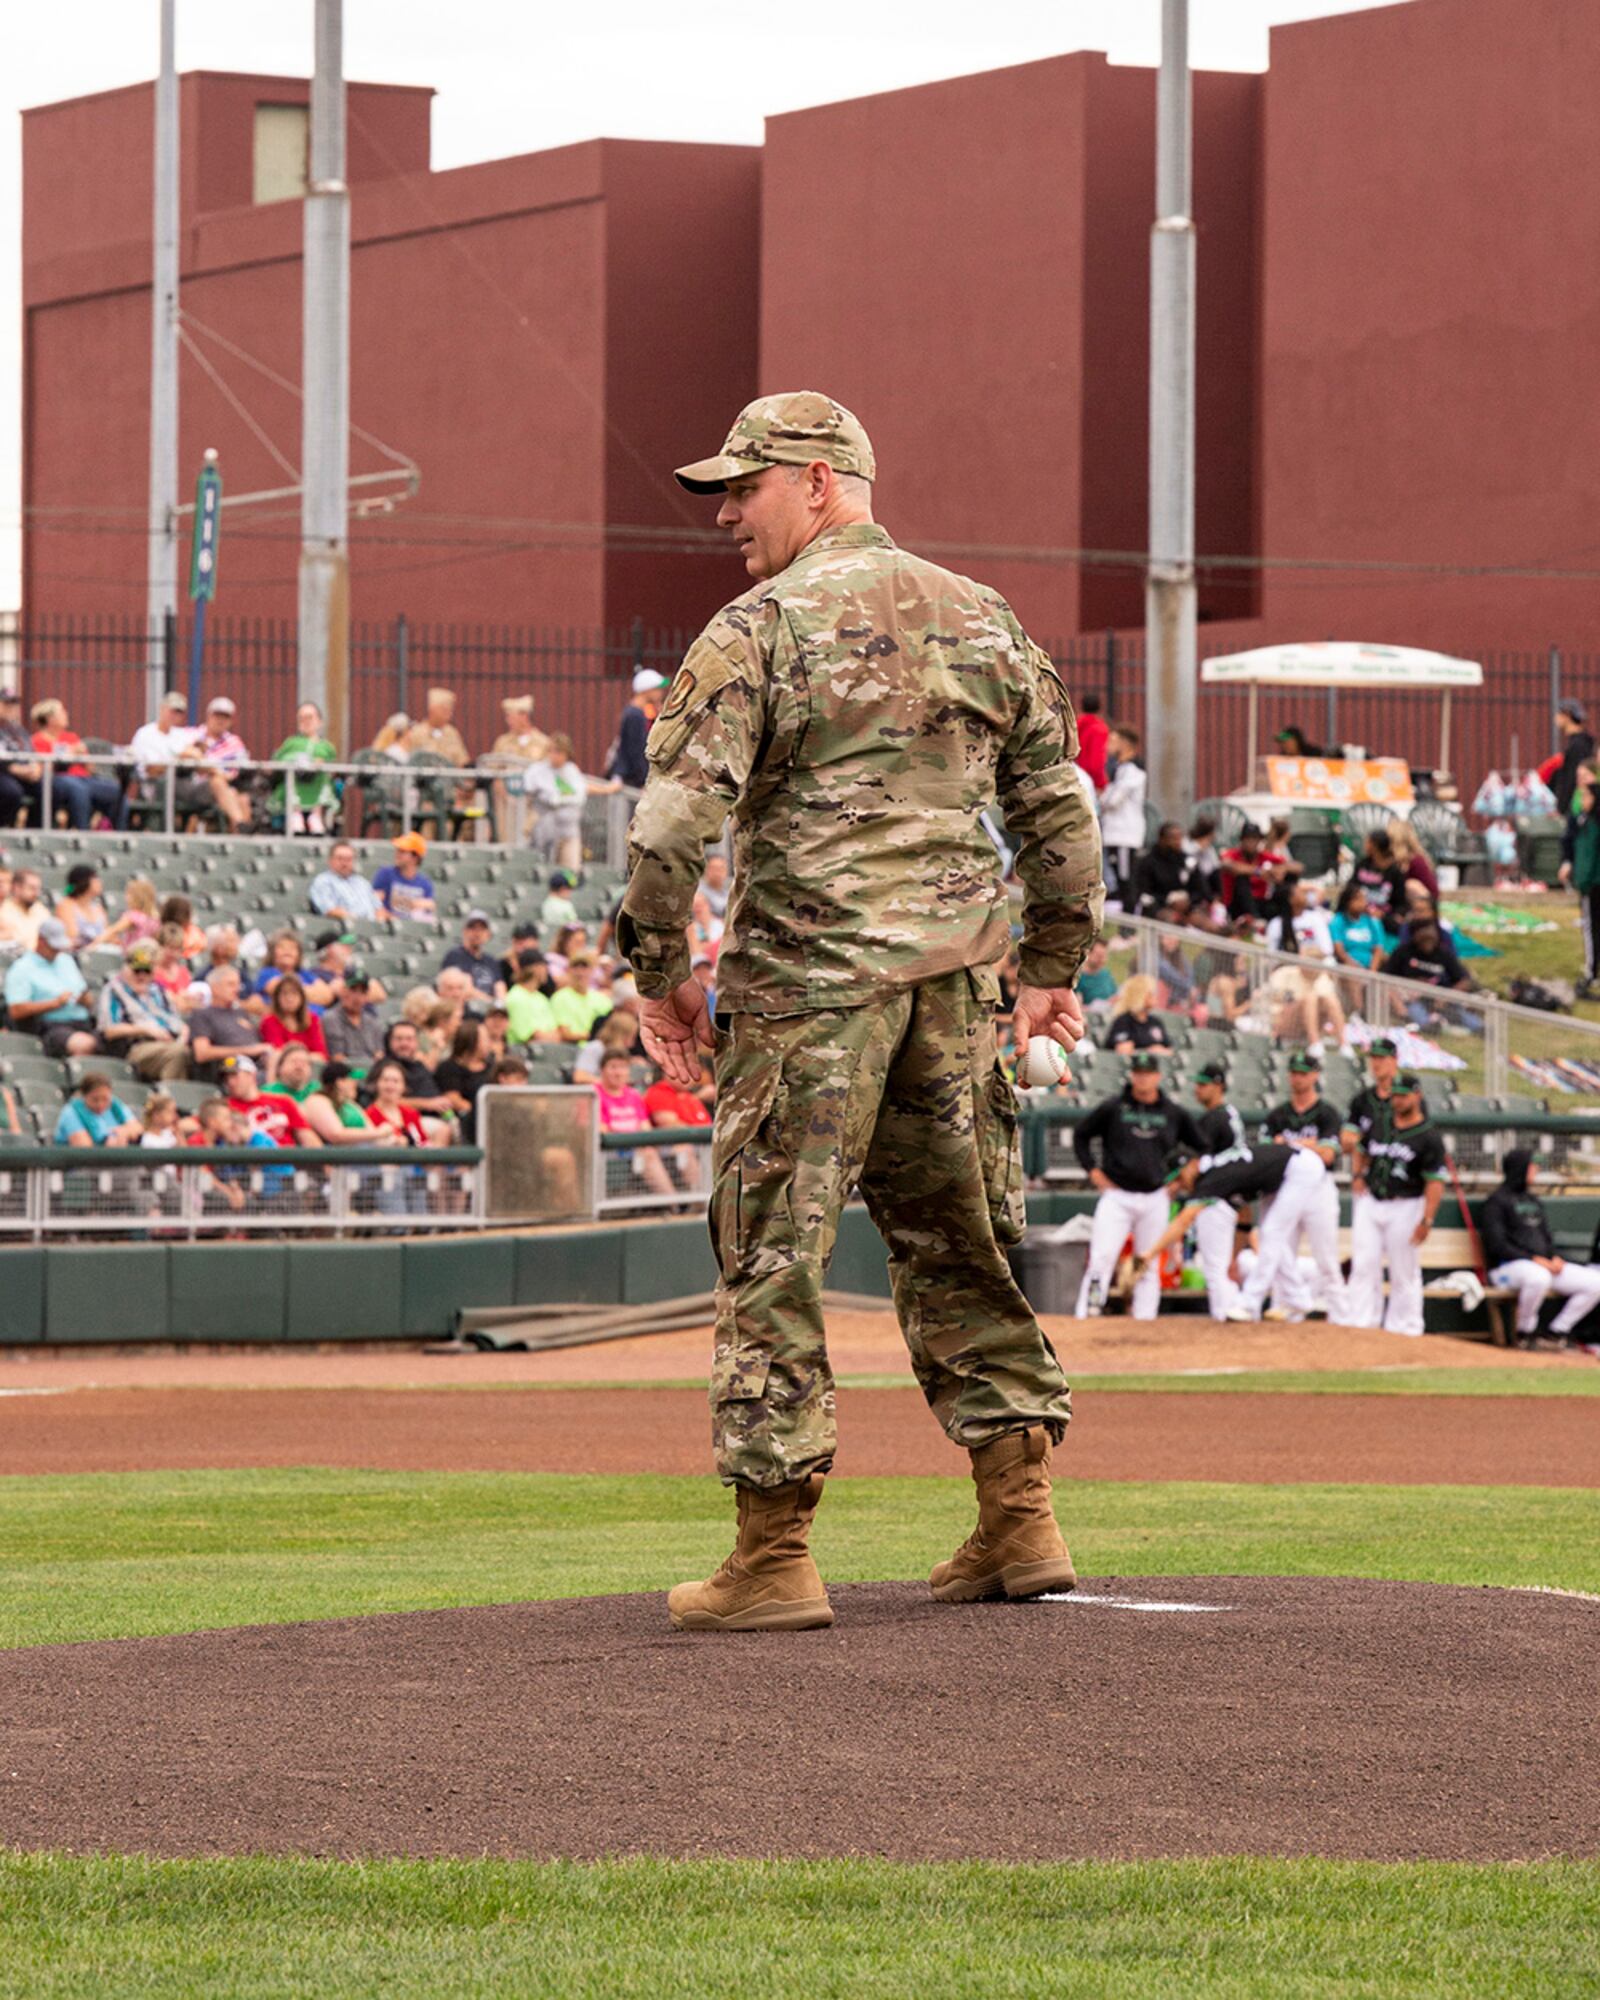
289, 1019
393, 1190
83, 789
387, 1082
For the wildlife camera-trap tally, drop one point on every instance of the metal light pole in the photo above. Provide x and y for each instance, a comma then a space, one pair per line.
161, 562
1170, 612
325, 367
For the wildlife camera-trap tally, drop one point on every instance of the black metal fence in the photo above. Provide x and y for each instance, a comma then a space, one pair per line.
579, 681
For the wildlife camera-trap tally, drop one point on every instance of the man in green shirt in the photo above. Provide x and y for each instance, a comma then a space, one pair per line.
529, 1014
575, 1004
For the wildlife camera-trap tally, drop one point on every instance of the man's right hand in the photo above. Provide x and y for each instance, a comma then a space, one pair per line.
1054, 1011
674, 1031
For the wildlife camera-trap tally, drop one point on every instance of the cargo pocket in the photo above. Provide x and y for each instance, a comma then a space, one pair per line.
1001, 1151
752, 1216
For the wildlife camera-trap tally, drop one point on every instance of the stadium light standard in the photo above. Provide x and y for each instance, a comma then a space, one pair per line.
161, 561
1170, 606
325, 437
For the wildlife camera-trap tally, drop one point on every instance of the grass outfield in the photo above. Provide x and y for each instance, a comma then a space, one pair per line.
1228, 1930
113, 1555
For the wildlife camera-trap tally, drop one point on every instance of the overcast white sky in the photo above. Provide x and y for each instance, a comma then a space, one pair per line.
517, 75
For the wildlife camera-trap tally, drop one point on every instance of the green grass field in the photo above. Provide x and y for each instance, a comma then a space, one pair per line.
111, 1555
1228, 1930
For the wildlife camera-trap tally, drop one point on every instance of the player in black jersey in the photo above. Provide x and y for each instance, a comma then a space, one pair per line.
1400, 1166
1139, 1132
1222, 1138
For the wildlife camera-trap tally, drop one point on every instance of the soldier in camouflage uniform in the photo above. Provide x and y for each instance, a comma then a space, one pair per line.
855, 712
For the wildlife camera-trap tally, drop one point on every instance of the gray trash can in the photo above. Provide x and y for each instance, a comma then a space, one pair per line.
1049, 1267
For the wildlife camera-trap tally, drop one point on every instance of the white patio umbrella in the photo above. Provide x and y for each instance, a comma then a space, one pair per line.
1344, 663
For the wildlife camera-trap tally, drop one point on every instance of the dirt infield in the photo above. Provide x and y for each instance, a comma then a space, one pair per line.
1348, 1719
1449, 1440
859, 1343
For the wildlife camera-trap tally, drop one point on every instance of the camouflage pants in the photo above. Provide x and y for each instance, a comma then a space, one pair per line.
906, 1098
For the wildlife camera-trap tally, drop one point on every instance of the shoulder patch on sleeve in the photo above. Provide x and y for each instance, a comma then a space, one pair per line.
710, 664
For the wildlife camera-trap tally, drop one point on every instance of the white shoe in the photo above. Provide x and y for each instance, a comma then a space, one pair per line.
1240, 1315
1276, 1313
1314, 1049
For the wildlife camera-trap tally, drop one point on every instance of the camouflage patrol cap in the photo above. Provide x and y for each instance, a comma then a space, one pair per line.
792, 429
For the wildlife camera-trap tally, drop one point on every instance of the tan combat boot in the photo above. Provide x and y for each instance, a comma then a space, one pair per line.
1016, 1549
769, 1583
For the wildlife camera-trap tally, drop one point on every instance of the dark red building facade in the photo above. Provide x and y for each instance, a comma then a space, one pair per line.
1399, 318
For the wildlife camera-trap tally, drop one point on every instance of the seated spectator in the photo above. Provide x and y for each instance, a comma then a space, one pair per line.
575, 1003
1172, 968
224, 1028
95, 1116
457, 993
402, 888
390, 740
20, 769
705, 930
285, 955
341, 891
530, 1016
623, 1109
171, 970
390, 1110
159, 1122
289, 1019
141, 912
180, 911
1412, 857
82, 909
670, 1104
1424, 954
1249, 883
473, 956
558, 908
463, 1073
524, 938
511, 1073
1163, 870
437, 732
558, 790
1521, 1254
1280, 863
497, 1026
169, 744
422, 1090
1303, 928
296, 1079
338, 1089
222, 948
1228, 976
335, 956
1205, 863
570, 938
619, 1031
138, 1020
24, 910
213, 1126
82, 788
352, 1028
45, 992
223, 754
1384, 880
1358, 936
420, 1007
1097, 983
714, 886
316, 797
625, 991
1134, 1025
279, 1117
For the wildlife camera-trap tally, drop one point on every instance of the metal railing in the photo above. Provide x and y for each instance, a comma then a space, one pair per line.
668, 1167
1493, 1048
396, 796
188, 1192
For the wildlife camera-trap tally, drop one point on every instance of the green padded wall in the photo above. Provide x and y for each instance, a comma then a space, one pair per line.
345, 1291
228, 1291
570, 1266
112, 1291
439, 1278
21, 1296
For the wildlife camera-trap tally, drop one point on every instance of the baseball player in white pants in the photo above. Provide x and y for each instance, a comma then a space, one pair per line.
1137, 1132
1300, 1206
1399, 1166
1307, 1119
1521, 1253
1293, 1174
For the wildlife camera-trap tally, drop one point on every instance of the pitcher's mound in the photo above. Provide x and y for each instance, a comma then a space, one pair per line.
1192, 1715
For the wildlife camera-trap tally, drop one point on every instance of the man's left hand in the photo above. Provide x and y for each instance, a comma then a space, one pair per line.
674, 1031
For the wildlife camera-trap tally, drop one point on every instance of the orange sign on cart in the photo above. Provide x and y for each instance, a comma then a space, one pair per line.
1340, 781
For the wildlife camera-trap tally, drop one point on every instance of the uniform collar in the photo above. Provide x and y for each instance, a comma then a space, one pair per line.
857, 535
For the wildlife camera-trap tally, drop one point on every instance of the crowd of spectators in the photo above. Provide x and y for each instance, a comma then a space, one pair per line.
306, 1047
535, 786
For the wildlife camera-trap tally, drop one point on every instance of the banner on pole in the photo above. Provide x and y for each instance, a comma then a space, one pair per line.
207, 532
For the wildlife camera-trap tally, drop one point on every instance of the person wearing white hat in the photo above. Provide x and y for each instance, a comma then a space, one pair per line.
626, 761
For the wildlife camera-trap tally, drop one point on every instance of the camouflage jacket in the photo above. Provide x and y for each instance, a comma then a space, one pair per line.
856, 714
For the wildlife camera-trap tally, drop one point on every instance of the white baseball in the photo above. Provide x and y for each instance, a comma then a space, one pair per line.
1044, 1064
